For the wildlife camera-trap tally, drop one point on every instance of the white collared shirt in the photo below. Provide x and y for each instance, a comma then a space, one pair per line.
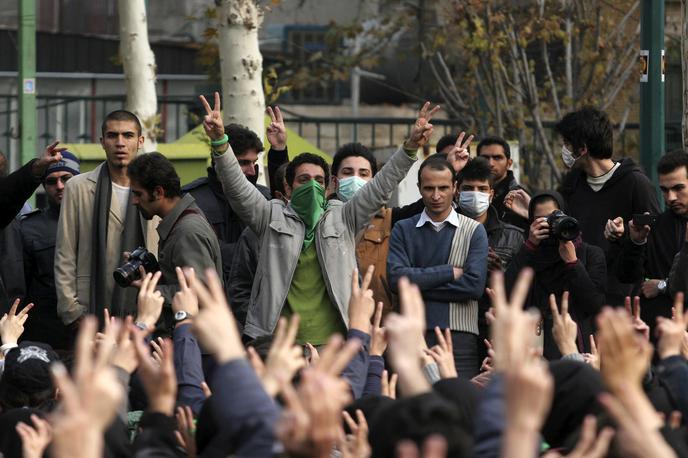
452, 218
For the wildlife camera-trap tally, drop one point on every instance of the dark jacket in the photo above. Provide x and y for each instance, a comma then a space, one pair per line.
506, 240
653, 260
38, 232
12, 283
501, 189
628, 191
228, 227
15, 189
242, 273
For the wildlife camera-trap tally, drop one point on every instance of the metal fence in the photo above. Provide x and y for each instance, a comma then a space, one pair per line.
75, 119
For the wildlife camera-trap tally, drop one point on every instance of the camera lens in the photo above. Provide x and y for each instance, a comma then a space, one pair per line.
127, 273
568, 228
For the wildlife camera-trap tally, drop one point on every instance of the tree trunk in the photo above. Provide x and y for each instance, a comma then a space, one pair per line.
684, 69
140, 71
241, 64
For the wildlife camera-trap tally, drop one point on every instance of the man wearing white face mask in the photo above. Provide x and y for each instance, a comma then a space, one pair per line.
599, 189
475, 187
352, 167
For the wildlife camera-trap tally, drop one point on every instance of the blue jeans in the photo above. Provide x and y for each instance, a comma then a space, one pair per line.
465, 347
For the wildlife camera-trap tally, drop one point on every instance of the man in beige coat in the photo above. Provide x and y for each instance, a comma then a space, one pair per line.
97, 224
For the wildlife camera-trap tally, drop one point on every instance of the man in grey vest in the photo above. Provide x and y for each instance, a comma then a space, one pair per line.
445, 254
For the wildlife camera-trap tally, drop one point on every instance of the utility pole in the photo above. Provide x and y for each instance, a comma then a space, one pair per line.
652, 137
27, 79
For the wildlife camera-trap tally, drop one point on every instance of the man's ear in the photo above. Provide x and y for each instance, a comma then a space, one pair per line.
158, 192
141, 140
509, 163
492, 193
334, 183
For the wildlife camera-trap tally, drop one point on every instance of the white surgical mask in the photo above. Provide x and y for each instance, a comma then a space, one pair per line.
349, 186
567, 156
474, 203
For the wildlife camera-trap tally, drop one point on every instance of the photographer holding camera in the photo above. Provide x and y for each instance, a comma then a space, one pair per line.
186, 237
562, 262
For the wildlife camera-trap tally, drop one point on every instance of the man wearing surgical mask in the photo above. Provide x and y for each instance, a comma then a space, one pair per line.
599, 189
475, 188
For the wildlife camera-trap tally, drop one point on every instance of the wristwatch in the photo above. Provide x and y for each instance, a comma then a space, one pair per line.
661, 286
181, 315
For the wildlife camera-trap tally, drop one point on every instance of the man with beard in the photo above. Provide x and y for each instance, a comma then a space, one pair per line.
186, 237
648, 250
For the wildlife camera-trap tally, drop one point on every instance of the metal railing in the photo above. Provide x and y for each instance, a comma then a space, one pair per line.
76, 119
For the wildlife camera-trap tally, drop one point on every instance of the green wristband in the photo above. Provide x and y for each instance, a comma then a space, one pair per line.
220, 142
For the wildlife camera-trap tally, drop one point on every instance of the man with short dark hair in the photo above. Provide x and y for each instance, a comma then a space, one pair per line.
497, 152
445, 254
308, 245
598, 189
648, 251
97, 223
38, 240
186, 238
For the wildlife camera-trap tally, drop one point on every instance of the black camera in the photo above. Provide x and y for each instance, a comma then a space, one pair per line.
129, 272
562, 226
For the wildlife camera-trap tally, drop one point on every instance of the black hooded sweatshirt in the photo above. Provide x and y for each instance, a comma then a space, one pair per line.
628, 191
585, 281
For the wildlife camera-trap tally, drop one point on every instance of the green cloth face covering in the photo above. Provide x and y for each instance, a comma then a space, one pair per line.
308, 201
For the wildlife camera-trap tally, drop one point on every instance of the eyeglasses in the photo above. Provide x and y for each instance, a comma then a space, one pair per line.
52, 181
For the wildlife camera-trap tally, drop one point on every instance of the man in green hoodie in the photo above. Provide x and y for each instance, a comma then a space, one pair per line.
308, 245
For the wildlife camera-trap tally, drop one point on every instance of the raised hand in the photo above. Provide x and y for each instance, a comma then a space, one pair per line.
159, 381
361, 302
518, 202
389, 384
443, 354
285, 358
378, 338
88, 402
671, 331
311, 422
638, 324
614, 229
51, 155
625, 354
186, 432
422, 129
592, 358
35, 439
458, 156
355, 445
184, 299
638, 233
276, 131
564, 329
539, 231
150, 301
513, 328
12, 323
215, 325
212, 122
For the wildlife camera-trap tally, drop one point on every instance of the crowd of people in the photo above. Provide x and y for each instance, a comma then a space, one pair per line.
309, 318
